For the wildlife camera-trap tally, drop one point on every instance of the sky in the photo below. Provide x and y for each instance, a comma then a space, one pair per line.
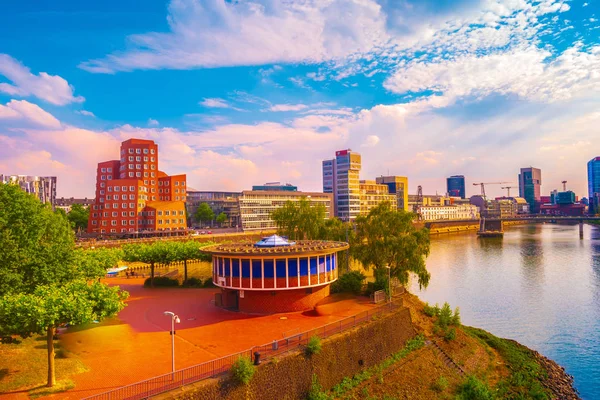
242, 92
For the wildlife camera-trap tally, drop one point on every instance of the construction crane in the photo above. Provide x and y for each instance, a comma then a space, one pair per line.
419, 201
564, 186
482, 184
508, 189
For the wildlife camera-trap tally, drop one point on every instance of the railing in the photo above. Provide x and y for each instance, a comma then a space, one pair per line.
210, 369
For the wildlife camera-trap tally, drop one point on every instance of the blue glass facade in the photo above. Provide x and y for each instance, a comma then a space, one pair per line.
455, 186
594, 185
274, 268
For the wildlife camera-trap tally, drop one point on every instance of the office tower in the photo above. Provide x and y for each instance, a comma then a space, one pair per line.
398, 186
594, 185
455, 186
276, 187
530, 181
43, 187
133, 195
340, 177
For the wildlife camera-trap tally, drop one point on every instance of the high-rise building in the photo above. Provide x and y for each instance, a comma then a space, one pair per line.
133, 195
226, 202
373, 194
398, 186
43, 187
455, 185
530, 181
594, 185
341, 178
276, 187
256, 206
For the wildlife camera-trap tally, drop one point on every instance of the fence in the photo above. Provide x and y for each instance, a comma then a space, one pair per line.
210, 369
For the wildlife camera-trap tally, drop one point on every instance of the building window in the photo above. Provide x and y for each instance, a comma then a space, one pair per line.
138, 174
131, 205
130, 166
132, 188
123, 213
108, 197
94, 222
138, 151
181, 221
145, 151
166, 212
131, 174
132, 213
145, 174
153, 197
103, 177
109, 177
130, 151
105, 215
109, 169
115, 205
102, 184
159, 213
153, 182
138, 166
181, 212
130, 159
146, 159
152, 167
131, 222
115, 214
124, 205
152, 152
152, 174
124, 222
103, 170
102, 191
160, 221
176, 198
113, 223
176, 183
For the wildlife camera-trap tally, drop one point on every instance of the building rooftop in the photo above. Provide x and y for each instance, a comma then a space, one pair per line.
273, 241
298, 247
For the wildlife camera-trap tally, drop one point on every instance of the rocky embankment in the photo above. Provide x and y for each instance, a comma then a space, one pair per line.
558, 381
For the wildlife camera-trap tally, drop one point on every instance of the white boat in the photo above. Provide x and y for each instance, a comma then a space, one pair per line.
115, 270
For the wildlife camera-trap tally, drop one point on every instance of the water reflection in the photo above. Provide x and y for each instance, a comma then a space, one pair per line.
540, 285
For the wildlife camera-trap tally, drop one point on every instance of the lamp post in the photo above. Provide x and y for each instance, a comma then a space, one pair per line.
389, 282
174, 319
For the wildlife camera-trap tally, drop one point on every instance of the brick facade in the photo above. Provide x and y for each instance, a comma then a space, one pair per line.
275, 301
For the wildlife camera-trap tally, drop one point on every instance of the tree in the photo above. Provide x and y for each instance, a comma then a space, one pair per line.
157, 252
78, 216
93, 263
190, 250
387, 237
49, 306
222, 218
300, 220
44, 281
204, 213
37, 245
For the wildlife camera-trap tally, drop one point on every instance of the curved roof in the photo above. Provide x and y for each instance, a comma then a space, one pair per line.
296, 248
273, 241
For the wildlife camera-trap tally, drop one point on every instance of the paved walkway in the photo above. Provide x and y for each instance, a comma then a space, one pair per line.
137, 346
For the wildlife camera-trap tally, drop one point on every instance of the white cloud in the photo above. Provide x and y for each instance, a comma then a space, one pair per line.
215, 103
370, 141
25, 113
86, 113
287, 107
152, 122
50, 88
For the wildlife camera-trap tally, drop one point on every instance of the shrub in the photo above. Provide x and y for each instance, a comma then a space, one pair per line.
242, 370
350, 282
316, 391
474, 389
208, 283
431, 311
162, 281
193, 282
456, 317
450, 335
445, 315
313, 346
440, 385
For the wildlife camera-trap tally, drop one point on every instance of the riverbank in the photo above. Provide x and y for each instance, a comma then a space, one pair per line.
438, 228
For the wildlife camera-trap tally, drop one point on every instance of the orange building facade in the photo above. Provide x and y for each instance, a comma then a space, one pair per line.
132, 195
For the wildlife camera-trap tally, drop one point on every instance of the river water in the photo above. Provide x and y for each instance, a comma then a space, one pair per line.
539, 285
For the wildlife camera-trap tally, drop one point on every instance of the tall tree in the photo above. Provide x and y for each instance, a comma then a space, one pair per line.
300, 220
387, 237
159, 252
190, 250
43, 281
78, 216
222, 218
48, 307
93, 263
204, 213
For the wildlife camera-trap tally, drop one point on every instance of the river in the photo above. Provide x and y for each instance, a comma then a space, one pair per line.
539, 285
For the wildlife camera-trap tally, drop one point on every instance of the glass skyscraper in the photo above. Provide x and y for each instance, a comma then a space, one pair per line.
340, 177
530, 182
455, 186
594, 185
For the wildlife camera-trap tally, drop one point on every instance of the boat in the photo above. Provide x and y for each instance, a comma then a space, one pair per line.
115, 270
490, 233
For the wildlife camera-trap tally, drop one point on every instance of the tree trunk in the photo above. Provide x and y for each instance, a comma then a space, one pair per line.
184, 271
50, 344
152, 274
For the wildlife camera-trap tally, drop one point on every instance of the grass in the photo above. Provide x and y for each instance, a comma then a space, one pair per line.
60, 386
24, 366
524, 382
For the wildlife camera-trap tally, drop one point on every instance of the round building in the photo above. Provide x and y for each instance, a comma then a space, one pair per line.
274, 275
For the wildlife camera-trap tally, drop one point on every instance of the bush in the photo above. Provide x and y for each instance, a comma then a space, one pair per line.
350, 282
474, 389
445, 315
164, 281
316, 391
193, 282
313, 346
440, 385
431, 311
456, 317
242, 370
208, 283
450, 335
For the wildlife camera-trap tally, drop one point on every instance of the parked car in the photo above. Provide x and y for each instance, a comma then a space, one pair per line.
203, 232
209, 232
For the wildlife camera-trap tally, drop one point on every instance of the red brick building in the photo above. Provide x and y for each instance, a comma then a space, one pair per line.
130, 193
274, 275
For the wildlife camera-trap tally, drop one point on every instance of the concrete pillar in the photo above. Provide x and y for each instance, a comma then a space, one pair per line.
581, 229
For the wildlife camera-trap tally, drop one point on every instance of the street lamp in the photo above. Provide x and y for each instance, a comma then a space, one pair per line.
389, 282
174, 319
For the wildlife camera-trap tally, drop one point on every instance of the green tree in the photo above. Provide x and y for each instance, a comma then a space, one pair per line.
190, 250
387, 237
37, 245
157, 252
204, 213
222, 218
93, 263
302, 220
78, 216
44, 281
49, 306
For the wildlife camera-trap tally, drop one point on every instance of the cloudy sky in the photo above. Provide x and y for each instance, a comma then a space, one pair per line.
244, 92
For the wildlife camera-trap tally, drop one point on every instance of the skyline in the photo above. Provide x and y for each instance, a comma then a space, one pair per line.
421, 89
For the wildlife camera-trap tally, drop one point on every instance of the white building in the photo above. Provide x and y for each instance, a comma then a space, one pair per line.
449, 213
43, 187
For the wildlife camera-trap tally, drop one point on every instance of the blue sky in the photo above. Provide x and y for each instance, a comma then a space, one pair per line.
237, 93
